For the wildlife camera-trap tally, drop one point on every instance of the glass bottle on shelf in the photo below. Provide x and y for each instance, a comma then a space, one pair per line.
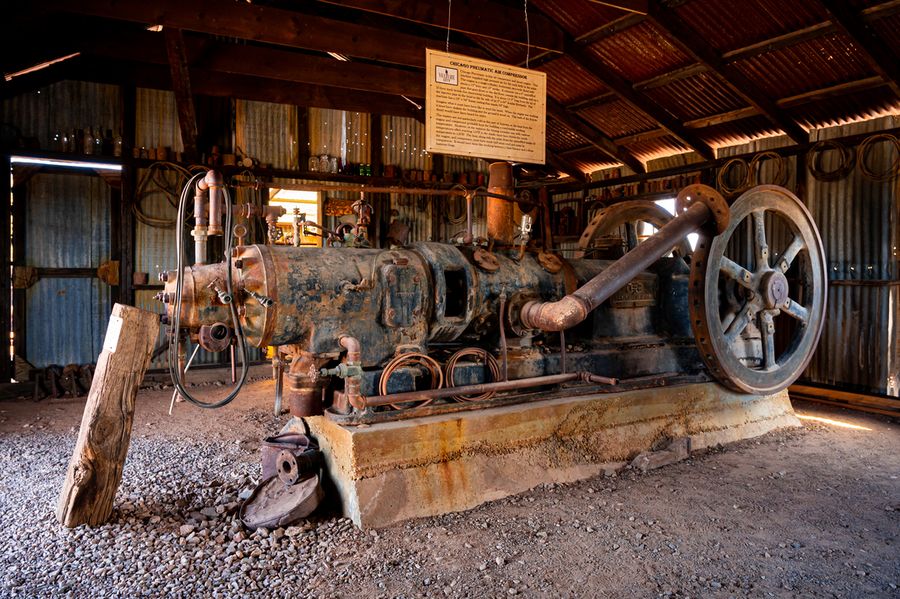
117, 146
98, 141
56, 141
87, 142
313, 164
65, 144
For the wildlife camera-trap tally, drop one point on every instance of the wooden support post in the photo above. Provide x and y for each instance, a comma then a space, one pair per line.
95, 470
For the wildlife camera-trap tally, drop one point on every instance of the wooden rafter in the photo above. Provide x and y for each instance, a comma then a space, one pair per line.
686, 37
181, 85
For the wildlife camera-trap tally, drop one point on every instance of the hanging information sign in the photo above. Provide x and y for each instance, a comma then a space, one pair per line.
487, 109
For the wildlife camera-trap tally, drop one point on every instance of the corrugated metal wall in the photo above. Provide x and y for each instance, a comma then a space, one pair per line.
156, 121
66, 225
860, 224
404, 143
267, 132
64, 106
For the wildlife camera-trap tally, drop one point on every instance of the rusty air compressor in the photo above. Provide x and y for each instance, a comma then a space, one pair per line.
377, 334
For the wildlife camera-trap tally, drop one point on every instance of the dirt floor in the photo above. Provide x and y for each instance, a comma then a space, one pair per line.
813, 512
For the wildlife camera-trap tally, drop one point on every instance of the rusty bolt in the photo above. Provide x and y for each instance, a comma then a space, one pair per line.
164, 319
164, 276
239, 264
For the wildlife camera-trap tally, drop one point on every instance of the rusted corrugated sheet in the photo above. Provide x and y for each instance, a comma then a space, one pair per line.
806, 66
579, 17
63, 106
267, 132
568, 82
731, 24
659, 147
617, 119
66, 320
560, 137
702, 95
507, 52
589, 160
840, 110
156, 122
639, 52
737, 132
888, 29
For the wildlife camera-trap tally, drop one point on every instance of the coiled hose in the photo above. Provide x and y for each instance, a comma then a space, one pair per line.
174, 371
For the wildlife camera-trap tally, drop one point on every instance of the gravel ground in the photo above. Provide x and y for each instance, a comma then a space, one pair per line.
812, 512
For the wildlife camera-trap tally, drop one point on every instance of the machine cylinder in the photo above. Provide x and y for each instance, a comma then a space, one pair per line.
501, 215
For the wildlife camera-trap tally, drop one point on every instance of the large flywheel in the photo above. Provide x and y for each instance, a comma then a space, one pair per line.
758, 292
620, 225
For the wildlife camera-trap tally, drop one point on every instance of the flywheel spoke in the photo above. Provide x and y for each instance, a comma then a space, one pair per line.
740, 322
762, 246
767, 330
797, 311
784, 263
735, 271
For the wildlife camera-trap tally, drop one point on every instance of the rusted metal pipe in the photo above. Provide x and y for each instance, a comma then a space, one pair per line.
457, 190
575, 307
354, 380
537, 381
501, 214
213, 182
470, 202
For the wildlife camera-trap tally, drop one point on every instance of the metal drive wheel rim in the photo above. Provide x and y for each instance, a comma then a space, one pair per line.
612, 217
766, 285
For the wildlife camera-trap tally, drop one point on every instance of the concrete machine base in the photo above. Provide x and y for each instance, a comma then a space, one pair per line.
394, 471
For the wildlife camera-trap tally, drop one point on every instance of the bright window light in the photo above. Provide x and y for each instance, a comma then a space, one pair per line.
39, 67
669, 205
103, 166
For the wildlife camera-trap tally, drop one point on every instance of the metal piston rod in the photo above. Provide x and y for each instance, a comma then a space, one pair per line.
575, 307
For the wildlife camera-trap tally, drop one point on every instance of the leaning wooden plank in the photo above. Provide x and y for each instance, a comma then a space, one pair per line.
95, 470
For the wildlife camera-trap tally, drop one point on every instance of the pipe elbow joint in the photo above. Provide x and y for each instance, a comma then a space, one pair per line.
554, 316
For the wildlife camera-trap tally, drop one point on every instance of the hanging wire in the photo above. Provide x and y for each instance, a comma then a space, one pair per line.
449, 6
527, 37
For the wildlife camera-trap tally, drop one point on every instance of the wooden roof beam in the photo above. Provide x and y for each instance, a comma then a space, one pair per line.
683, 35
270, 25
874, 49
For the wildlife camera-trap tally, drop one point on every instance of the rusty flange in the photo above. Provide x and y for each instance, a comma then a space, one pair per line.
747, 298
713, 199
608, 222
486, 260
